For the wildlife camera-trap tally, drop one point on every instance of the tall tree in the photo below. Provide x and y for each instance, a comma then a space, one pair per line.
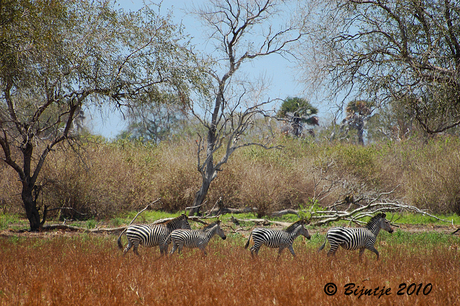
243, 31
297, 112
155, 121
386, 51
56, 57
358, 114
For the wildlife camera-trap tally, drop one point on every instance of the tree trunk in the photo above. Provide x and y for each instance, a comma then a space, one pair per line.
199, 197
30, 205
208, 171
361, 134
29, 192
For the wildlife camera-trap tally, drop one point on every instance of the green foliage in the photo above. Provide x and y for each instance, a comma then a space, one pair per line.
305, 211
360, 159
411, 218
10, 220
363, 162
422, 239
298, 106
91, 224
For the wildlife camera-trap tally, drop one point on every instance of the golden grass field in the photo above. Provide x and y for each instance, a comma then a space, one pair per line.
69, 269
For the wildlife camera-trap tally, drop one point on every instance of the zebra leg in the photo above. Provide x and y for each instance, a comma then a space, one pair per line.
255, 249
136, 245
163, 249
361, 252
280, 250
332, 250
373, 249
290, 248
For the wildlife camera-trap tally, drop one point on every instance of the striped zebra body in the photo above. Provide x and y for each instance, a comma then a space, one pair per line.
195, 238
357, 238
280, 239
150, 235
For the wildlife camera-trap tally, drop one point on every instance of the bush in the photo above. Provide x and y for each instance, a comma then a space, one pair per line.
101, 179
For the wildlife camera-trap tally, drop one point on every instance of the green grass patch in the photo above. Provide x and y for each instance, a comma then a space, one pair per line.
12, 221
412, 218
428, 238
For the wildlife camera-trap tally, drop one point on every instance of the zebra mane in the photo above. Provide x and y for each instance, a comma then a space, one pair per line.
166, 222
209, 226
374, 220
294, 225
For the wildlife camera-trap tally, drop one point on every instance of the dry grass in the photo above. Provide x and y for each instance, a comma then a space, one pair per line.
84, 270
106, 179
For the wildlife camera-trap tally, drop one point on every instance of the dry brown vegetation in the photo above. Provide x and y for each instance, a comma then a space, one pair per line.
104, 179
57, 269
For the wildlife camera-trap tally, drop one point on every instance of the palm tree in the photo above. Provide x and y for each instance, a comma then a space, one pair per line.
358, 113
298, 111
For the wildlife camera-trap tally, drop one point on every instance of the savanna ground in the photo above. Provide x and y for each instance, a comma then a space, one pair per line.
115, 180
61, 268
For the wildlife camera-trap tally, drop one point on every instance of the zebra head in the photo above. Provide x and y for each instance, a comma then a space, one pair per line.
183, 222
386, 224
379, 222
219, 230
299, 228
304, 232
178, 222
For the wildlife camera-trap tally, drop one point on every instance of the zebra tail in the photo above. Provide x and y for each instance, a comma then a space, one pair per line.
168, 239
324, 244
120, 246
249, 239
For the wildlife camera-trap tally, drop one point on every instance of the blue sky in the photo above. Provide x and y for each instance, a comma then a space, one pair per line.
274, 67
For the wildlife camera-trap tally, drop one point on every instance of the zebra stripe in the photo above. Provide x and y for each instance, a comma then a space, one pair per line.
357, 238
195, 238
150, 235
277, 238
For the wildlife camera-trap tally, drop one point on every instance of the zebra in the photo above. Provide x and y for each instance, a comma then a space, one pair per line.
357, 238
277, 238
195, 238
150, 235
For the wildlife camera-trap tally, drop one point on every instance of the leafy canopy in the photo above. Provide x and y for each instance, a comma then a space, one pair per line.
298, 107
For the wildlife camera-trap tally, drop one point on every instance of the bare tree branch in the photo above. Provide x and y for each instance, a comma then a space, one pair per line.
233, 23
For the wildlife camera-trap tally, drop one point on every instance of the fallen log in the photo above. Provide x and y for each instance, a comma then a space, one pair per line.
264, 222
285, 212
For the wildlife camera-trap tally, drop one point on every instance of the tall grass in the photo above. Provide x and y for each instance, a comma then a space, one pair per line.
89, 270
102, 179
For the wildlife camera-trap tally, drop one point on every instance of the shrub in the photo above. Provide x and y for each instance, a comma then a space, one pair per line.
101, 179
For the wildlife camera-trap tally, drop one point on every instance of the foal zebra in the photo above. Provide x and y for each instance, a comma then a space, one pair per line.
357, 238
277, 238
195, 238
150, 235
